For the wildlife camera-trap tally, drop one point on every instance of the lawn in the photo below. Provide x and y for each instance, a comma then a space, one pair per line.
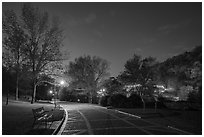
17, 117
190, 121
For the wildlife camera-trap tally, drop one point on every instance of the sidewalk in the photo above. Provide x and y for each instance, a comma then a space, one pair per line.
17, 118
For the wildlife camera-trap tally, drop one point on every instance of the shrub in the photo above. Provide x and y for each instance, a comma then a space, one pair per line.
82, 98
95, 100
134, 101
118, 100
104, 101
161, 102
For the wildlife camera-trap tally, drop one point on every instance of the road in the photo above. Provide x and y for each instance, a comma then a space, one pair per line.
88, 119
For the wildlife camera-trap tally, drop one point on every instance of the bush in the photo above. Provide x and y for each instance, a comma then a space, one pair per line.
104, 101
82, 98
134, 101
118, 100
195, 97
178, 105
161, 102
95, 99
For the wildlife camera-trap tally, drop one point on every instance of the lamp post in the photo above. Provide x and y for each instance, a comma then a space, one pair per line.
54, 92
61, 83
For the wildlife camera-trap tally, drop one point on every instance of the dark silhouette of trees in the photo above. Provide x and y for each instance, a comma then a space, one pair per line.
185, 70
43, 43
88, 73
33, 42
140, 71
13, 43
112, 86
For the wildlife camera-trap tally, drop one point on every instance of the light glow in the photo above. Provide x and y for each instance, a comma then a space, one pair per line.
62, 82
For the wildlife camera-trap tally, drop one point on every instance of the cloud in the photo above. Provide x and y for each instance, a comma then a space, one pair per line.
168, 28
138, 50
90, 18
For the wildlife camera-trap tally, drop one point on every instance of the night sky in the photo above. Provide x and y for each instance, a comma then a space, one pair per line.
115, 31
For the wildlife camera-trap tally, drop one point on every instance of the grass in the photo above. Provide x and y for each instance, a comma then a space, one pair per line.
17, 117
190, 121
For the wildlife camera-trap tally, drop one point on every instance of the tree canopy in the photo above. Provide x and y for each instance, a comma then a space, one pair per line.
37, 38
88, 73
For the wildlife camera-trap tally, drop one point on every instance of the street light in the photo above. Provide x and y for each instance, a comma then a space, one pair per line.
62, 82
56, 93
51, 91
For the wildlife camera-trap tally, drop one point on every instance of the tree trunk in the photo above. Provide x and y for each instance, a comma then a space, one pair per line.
17, 71
34, 81
155, 106
144, 106
17, 80
90, 98
142, 102
34, 92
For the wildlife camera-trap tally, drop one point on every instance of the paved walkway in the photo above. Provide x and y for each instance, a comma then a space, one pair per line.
85, 119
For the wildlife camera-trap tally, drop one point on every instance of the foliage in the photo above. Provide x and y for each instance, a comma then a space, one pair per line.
87, 73
14, 40
104, 101
32, 43
112, 86
134, 101
118, 100
182, 71
43, 41
140, 72
66, 94
184, 92
195, 96
8, 83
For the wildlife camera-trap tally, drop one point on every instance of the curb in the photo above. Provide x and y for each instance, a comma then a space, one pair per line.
188, 133
127, 114
56, 131
64, 124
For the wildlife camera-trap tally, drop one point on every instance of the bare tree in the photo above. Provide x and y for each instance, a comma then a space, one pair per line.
44, 39
13, 43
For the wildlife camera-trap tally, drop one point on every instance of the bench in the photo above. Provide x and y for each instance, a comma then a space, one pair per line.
41, 116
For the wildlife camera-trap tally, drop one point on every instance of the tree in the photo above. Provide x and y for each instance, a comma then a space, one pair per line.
195, 80
87, 73
44, 40
13, 44
112, 86
139, 71
183, 73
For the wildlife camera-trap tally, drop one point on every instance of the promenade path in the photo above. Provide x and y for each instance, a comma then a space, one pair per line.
87, 119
